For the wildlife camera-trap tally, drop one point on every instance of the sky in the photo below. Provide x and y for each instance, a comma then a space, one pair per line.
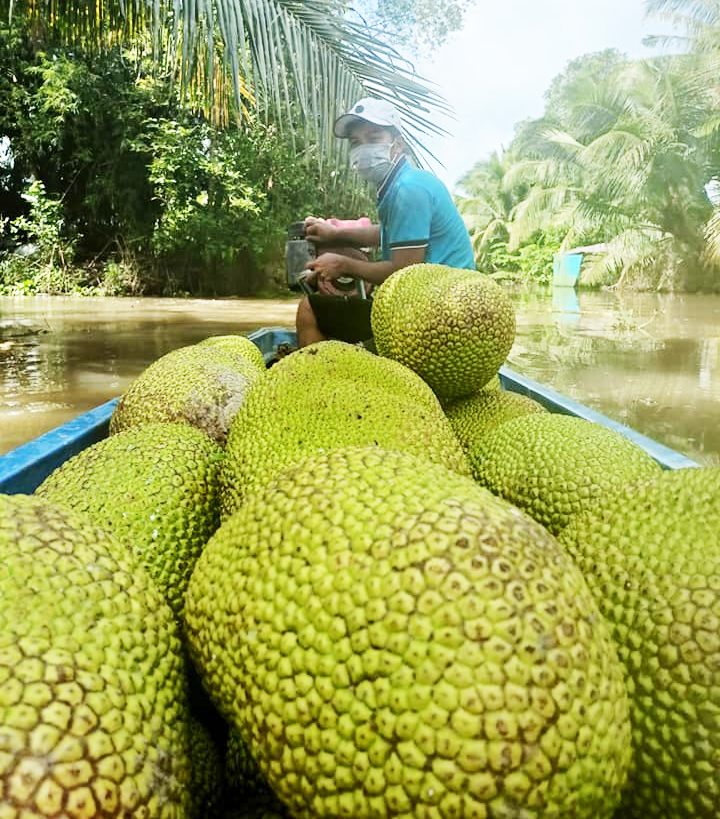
495, 71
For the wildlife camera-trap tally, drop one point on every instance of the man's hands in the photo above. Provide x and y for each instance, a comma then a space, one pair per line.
319, 231
333, 232
326, 268
344, 259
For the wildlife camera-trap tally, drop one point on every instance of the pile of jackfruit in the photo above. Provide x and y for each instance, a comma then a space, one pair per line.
358, 585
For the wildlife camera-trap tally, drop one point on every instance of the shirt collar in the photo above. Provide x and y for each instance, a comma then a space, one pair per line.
400, 162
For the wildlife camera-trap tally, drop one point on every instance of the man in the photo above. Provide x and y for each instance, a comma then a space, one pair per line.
418, 223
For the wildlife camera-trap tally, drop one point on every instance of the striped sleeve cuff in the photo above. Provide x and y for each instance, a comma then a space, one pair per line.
408, 244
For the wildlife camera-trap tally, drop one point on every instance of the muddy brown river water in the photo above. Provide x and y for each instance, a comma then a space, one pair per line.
651, 361
60, 356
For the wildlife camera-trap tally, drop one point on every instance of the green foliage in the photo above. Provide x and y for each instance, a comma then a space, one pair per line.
136, 193
47, 267
177, 142
226, 198
580, 82
536, 258
532, 262
207, 205
490, 201
621, 156
294, 62
416, 23
69, 118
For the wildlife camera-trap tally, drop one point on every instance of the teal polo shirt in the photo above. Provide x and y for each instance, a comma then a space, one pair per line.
416, 210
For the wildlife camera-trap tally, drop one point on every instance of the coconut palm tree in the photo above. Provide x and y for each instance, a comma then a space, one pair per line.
299, 62
636, 180
485, 206
699, 20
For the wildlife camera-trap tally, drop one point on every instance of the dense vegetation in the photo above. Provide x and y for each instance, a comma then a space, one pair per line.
143, 153
140, 155
117, 185
626, 156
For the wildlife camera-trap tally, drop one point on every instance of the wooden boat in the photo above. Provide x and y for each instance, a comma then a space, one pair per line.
23, 469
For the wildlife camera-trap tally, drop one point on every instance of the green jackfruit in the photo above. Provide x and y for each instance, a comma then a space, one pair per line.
555, 466
156, 489
453, 327
243, 775
395, 641
473, 416
201, 385
238, 345
93, 701
651, 557
493, 383
207, 784
330, 395
330, 361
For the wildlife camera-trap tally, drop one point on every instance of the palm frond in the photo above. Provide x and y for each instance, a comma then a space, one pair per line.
608, 148
545, 173
712, 238
484, 238
538, 211
283, 56
625, 252
705, 11
709, 128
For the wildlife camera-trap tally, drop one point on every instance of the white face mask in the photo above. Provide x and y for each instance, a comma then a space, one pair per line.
372, 162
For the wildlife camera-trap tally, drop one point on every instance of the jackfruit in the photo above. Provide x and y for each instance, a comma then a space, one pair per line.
156, 489
207, 782
331, 360
237, 345
202, 385
93, 709
554, 466
453, 327
395, 641
493, 383
651, 556
473, 416
242, 773
325, 396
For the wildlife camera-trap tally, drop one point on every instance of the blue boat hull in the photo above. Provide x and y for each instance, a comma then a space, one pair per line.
23, 469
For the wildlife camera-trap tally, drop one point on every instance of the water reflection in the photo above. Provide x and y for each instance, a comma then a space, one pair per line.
61, 356
649, 360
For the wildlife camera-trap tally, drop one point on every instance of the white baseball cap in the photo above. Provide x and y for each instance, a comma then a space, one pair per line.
369, 109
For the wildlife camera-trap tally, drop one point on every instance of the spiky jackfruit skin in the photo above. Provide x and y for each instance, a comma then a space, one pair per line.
652, 559
207, 781
555, 466
242, 772
453, 327
493, 383
200, 385
327, 396
332, 360
156, 489
395, 641
93, 711
237, 345
473, 416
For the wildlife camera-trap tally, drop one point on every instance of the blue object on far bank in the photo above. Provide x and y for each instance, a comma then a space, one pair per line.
566, 269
